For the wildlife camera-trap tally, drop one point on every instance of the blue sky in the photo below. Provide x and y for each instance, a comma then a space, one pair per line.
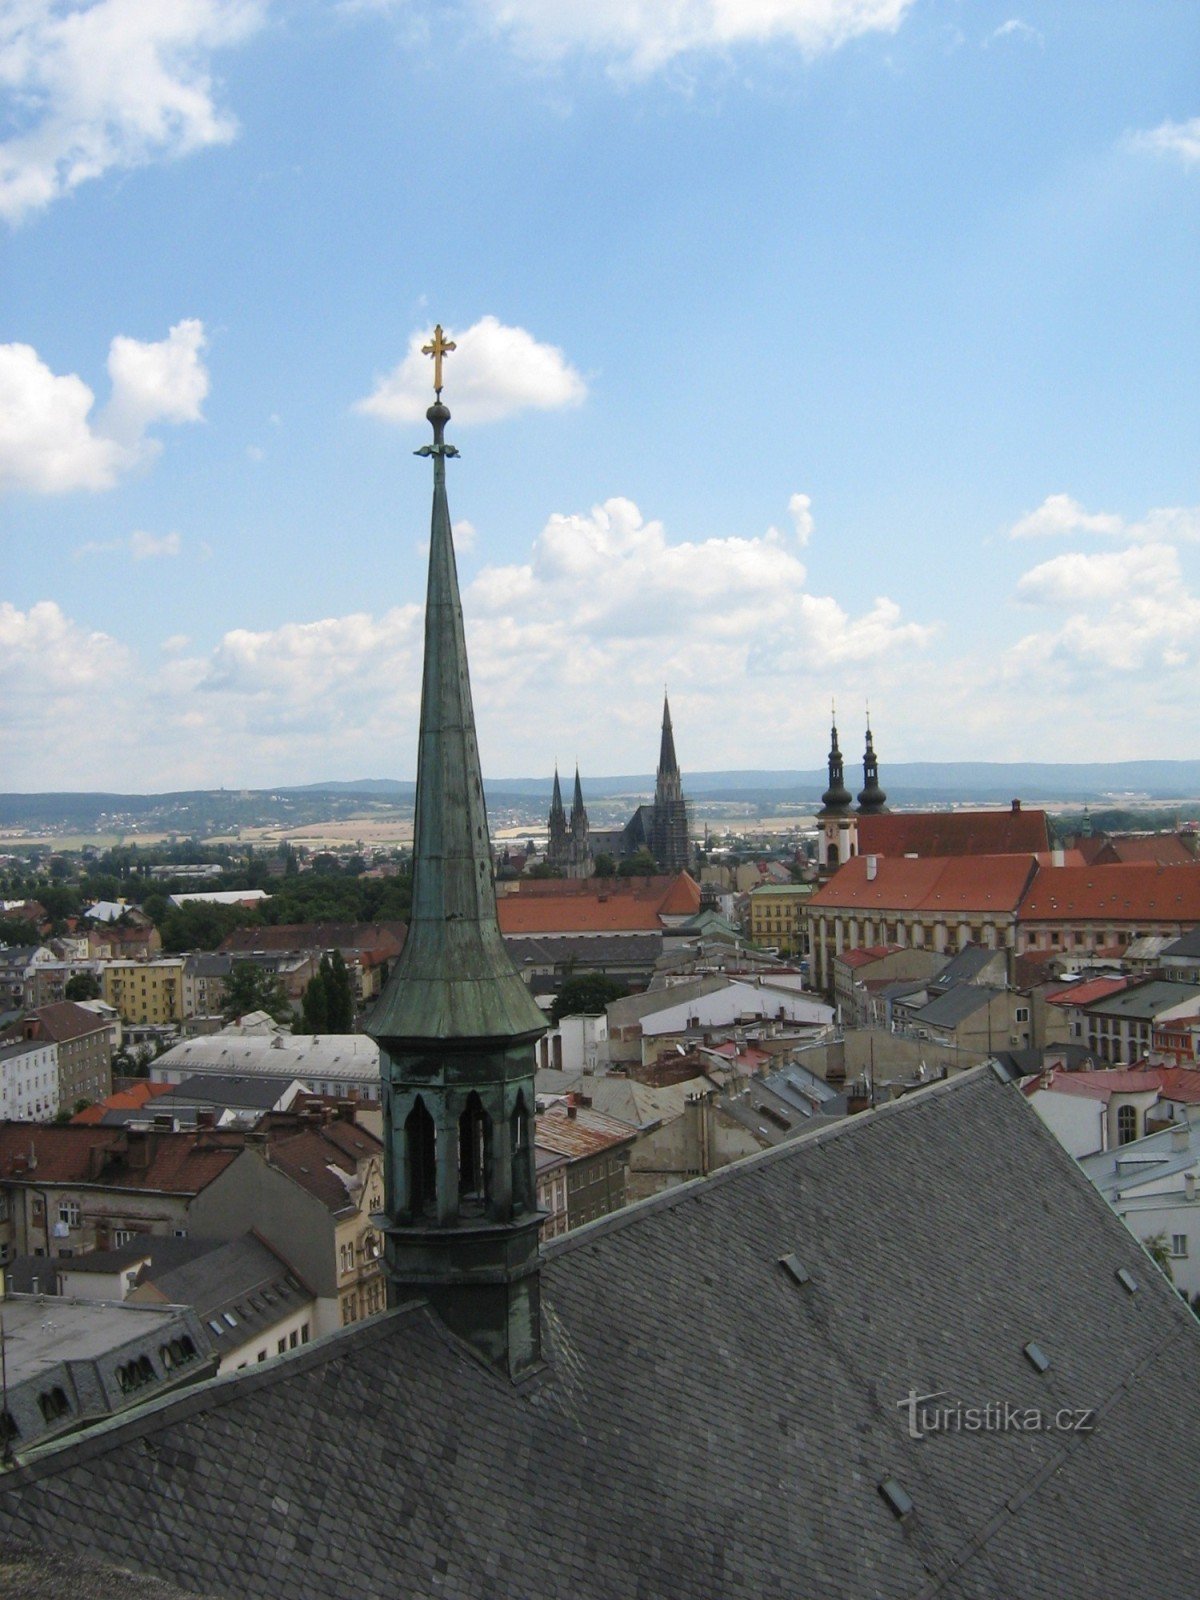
807, 348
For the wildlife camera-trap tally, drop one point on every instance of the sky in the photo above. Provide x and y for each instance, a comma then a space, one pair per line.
807, 351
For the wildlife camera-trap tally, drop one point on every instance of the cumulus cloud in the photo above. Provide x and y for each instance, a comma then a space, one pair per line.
644, 35
1127, 611
579, 637
1059, 516
494, 372
49, 441
98, 85
1179, 140
46, 658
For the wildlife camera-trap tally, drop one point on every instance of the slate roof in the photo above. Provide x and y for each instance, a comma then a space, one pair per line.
707, 1426
1145, 1001
956, 1005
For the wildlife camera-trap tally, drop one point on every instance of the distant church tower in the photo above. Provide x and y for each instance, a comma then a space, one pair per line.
558, 851
579, 849
871, 799
838, 839
456, 1027
670, 844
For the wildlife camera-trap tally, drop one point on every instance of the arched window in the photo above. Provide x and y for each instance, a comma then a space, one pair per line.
474, 1152
1126, 1124
421, 1147
519, 1144
833, 855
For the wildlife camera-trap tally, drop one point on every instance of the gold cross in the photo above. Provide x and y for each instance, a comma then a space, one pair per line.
437, 348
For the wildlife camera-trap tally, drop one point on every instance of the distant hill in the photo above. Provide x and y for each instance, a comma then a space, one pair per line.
201, 812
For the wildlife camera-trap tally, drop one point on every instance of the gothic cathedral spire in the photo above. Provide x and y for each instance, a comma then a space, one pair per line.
670, 843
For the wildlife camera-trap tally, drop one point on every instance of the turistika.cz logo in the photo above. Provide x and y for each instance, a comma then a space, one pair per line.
926, 1416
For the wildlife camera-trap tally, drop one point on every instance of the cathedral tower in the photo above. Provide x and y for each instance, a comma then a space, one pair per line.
558, 849
579, 849
455, 1024
670, 844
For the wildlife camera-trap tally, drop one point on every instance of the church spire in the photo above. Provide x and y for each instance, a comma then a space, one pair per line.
872, 799
455, 1024
558, 843
670, 840
668, 766
837, 797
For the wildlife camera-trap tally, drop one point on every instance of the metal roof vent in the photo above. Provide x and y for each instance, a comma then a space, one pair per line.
1037, 1357
896, 1498
1127, 1280
795, 1269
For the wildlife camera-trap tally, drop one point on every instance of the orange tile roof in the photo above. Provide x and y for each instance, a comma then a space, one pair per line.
868, 954
953, 833
1181, 1084
929, 884
132, 1099
585, 1134
1167, 849
598, 906
1122, 892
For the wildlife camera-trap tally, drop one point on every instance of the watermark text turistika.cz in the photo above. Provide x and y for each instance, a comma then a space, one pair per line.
926, 1415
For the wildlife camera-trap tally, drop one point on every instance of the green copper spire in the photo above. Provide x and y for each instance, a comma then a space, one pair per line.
455, 979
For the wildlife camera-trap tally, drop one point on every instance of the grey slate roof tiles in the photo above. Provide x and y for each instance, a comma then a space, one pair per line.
706, 1426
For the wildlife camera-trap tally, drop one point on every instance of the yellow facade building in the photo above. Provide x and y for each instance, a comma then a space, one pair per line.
776, 919
145, 991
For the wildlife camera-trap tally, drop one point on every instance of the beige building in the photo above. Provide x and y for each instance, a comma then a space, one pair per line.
145, 991
776, 916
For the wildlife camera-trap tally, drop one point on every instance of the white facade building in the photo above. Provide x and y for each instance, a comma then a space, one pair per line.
28, 1082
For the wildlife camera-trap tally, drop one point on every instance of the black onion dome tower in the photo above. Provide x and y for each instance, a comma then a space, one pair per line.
456, 1026
837, 840
872, 800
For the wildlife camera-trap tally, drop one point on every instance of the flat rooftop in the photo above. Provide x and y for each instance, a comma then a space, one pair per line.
42, 1331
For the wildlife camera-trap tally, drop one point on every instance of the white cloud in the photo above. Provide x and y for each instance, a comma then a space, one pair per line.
1177, 139
644, 35
1015, 28
800, 511
98, 85
464, 536
1128, 611
142, 546
579, 638
49, 442
494, 372
1059, 516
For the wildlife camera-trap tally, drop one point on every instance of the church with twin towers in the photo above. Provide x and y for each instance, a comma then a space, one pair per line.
660, 828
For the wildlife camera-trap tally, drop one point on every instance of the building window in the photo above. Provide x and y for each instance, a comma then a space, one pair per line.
53, 1403
1179, 1244
280, 1347
1022, 1013
68, 1213
522, 1166
304, 1333
122, 1236
1126, 1124
348, 1310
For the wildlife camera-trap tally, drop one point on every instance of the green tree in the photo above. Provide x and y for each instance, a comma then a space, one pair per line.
83, 986
585, 995
544, 870
250, 987
314, 1006
641, 865
605, 865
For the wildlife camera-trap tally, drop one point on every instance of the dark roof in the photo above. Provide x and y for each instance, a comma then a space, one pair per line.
244, 1091
63, 1020
34, 1575
176, 1163
956, 1005
970, 961
707, 1425
1187, 945
243, 1277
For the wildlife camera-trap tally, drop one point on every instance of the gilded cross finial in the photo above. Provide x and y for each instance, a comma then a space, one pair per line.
438, 347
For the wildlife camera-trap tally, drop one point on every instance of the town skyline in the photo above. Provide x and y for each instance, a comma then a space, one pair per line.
778, 379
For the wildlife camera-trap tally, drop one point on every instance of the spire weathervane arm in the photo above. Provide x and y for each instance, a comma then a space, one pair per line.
438, 347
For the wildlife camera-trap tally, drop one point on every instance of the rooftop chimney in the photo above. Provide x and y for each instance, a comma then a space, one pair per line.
872, 868
1016, 805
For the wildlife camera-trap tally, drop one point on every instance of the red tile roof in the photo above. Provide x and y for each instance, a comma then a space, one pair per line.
387, 938
981, 884
1123, 892
866, 955
308, 1155
612, 905
1082, 994
1167, 849
1181, 1084
953, 833
171, 1163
